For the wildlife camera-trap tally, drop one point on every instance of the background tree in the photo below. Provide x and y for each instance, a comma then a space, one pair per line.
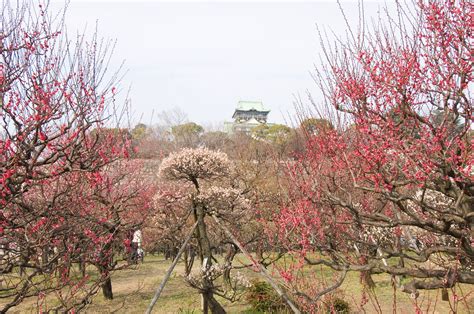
166, 229
215, 140
140, 131
314, 125
187, 134
172, 117
279, 138
156, 144
120, 203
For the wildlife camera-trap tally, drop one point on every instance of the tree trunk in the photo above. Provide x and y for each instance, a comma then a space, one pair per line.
45, 258
366, 276
228, 263
366, 279
204, 304
259, 251
214, 306
107, 289
208, 301
82, 267
189, 256
167, 253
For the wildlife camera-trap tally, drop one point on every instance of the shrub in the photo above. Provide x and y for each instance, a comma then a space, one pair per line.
337, 305
263, 298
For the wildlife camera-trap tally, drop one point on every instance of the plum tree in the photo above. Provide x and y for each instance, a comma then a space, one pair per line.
398, 183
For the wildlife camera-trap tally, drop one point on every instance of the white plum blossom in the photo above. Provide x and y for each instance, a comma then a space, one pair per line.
192, 164
241, 280
211, 273
214, 272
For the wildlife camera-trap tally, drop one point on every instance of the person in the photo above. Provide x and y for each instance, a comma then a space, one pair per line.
136, 245
140, 254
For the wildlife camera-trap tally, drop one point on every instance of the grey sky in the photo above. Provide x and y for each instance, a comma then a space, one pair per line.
205, 56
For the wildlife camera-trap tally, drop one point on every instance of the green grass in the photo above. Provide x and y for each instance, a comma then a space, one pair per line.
134, 288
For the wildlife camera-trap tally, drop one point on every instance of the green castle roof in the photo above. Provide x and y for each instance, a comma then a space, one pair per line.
251, 105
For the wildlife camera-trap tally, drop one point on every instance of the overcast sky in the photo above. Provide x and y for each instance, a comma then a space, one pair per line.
206, 56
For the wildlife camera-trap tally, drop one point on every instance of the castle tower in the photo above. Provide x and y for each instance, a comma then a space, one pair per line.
247, 115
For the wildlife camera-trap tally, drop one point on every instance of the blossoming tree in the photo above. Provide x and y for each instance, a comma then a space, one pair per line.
206, 174
395, 182
55, 152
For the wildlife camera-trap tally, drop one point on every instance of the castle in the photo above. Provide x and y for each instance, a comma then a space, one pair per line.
247, 115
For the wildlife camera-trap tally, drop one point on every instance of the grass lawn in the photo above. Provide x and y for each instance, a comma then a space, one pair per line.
134, 288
